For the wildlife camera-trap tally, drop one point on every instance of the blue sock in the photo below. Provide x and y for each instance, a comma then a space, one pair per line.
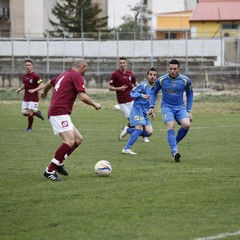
182, 132
172, 141
130, 130
145, 133
133, 138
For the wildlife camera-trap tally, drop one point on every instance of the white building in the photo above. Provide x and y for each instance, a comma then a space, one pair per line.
24, 18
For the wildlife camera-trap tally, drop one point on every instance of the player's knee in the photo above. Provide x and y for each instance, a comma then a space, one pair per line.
79, 140
150, 133
186, 125
70, 142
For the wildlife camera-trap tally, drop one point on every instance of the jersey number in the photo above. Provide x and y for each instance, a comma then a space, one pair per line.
57, 86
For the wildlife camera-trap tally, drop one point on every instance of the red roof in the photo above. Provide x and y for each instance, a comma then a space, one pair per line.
216, 10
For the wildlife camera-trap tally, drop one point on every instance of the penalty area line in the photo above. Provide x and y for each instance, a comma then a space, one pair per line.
219, 236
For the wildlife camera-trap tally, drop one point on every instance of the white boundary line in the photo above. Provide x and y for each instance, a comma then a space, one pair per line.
219, 236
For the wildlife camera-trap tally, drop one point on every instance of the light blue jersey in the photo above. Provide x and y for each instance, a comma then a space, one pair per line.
173, 91
139, 111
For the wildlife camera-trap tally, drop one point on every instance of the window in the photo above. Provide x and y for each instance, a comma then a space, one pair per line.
171, 35
230, 26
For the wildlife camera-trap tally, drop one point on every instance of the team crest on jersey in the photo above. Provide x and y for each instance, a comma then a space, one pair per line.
130, 78
64, 124
30, 81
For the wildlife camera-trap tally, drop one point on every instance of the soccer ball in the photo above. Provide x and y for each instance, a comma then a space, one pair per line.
103, 168
117, 107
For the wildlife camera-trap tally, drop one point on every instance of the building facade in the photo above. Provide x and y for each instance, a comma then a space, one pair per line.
216, 18
30, 18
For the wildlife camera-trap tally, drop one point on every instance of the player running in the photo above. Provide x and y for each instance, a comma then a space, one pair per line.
139, 112
32, 83
173, 85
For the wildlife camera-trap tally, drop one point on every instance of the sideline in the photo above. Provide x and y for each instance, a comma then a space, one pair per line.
219, 236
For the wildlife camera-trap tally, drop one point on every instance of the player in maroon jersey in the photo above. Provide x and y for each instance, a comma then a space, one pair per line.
66, 88
32, 83
123, 81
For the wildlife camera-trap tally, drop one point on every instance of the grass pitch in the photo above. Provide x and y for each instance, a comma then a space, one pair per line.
147, 196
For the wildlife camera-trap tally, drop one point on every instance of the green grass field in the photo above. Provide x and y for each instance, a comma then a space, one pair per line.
147, 197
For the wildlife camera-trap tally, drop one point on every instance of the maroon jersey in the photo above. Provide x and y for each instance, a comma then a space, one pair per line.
119, 79
66, 88
31, 81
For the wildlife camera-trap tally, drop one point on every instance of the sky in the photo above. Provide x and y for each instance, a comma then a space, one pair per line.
119, 8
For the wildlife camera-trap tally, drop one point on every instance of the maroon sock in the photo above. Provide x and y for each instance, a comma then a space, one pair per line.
73, 148
30, 122
63, 150
52, 167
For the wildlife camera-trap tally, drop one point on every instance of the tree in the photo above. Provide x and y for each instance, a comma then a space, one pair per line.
75, 17
137, 24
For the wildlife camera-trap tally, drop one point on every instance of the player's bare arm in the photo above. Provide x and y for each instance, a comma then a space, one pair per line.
87, 100
40, 87
20, 89
122, 88
46, 88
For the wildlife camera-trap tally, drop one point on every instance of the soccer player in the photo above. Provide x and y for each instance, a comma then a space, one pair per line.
173, 85
139, 112
32, 83
67, 87
122, 81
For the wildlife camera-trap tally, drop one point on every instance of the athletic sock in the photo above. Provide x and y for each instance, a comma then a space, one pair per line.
130, 130
172, 141
182, 132
145, 133
30, 122
75, 145
133, 138
62, 152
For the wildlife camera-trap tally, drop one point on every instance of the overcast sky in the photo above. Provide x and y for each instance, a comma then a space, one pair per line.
119, 8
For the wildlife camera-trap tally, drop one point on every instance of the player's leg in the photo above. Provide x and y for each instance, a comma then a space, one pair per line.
77, 139
168, 118
125, 109
30, 119
138, 121
183, 118
147, 130
132, 139
25, 112
32, 108
63, 126
125, 130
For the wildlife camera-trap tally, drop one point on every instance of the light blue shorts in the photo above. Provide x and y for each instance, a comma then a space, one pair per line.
170, 114
138, 117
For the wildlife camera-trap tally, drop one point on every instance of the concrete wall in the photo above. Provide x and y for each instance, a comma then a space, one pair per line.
200, 59
78, 48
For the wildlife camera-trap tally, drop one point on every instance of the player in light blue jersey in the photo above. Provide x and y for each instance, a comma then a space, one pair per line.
139, 112
173, 85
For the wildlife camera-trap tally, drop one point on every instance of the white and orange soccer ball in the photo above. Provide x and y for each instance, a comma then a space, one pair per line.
103, 168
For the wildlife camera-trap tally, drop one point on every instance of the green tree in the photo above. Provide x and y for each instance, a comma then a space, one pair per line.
136, 26
75, 17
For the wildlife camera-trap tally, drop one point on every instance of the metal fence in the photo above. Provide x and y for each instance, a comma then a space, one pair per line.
54, 55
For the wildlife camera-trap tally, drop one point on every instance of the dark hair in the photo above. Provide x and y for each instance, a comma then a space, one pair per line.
174, 61
28, 60
152, 69
122, 58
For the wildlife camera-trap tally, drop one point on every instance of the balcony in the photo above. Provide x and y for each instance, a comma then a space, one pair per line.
4, 13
